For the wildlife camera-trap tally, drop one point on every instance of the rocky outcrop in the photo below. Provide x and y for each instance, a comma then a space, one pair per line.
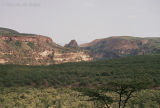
28, 49
72, 44
2, 61
71, 57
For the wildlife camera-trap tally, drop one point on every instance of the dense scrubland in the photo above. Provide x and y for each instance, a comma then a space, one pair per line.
58, 86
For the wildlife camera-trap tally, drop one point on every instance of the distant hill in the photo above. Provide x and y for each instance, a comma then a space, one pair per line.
118, 46
32, 49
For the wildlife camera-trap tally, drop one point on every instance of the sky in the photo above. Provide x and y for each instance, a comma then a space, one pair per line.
82, 20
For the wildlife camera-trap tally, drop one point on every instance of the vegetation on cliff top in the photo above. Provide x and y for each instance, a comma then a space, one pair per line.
10, 32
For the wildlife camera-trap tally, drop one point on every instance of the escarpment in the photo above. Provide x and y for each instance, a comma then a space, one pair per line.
118, 46
22, 38
29, 49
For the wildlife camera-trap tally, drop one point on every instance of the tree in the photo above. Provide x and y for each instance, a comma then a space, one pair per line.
124, 89
96, 95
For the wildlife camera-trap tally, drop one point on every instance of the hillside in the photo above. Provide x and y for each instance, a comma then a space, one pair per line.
118, 46
32, 49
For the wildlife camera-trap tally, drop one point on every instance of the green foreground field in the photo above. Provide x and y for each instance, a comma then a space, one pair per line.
52, 86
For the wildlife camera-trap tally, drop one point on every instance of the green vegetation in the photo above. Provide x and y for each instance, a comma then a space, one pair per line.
18, 43
72, 85
123, 91
82, 73
30, 44
7, 31
10, 32
29, 97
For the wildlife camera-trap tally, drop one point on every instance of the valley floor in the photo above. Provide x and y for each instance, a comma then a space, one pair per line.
52, 86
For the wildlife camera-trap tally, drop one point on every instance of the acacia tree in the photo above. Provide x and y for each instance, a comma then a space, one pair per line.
96, 95
124, 89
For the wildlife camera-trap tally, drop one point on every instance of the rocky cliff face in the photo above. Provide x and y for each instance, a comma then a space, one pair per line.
28, 49
36, 39
72, 44
115, 47
71, 57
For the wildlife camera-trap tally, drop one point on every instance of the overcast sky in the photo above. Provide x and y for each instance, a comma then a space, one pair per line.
83, 20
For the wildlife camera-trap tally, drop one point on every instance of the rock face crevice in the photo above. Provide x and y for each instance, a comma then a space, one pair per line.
28, 49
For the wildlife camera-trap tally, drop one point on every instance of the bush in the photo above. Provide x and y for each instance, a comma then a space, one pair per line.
30, 44
18, 43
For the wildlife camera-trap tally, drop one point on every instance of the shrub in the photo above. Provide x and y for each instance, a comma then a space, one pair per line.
18, 43
30, 44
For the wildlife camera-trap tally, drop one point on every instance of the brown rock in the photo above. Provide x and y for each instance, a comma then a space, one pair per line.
28, 49
72, 44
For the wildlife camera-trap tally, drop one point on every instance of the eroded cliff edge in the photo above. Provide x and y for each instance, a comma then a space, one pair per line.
30, 49
120, 46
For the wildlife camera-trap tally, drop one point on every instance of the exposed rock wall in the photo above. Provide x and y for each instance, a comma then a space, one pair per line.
114, 47
27, 38
36, 50
72, 44
71, 57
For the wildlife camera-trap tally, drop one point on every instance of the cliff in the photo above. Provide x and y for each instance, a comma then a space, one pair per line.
118, 46
31, 49
71, 57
